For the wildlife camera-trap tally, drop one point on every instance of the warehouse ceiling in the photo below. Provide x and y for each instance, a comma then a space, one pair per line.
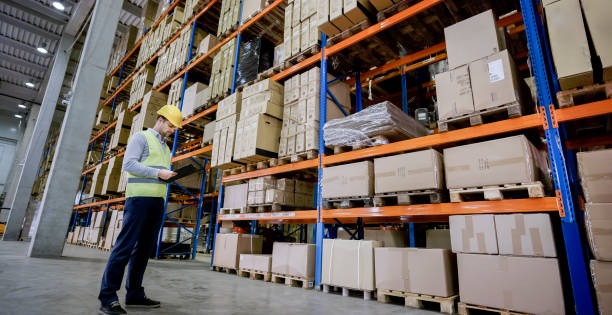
29, 26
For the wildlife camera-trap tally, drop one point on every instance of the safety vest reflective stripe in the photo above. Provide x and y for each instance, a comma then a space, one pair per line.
144, 180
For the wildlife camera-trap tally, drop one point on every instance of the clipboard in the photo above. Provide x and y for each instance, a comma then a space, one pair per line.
181, 172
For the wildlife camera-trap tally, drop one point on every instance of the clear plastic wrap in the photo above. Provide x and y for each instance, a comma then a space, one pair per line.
256, 56
383, 119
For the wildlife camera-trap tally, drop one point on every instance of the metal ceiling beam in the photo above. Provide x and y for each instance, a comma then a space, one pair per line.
79, 14
19, 75
132, 8
29, 27
23, 46
23, 62
22, 92
40, 10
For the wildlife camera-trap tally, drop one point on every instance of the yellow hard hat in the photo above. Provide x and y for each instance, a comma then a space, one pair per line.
172, 114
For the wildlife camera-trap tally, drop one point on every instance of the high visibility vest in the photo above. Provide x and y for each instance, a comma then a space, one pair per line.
141, 186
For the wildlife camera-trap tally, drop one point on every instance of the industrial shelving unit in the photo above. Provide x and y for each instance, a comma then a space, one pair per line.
550, 119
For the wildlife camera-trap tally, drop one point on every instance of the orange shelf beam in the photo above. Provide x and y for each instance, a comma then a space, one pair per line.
302, 165
199, 115
576, 144
103, 131
99, 203
192, 153
584, 111
89, 170
308, 215
135, 107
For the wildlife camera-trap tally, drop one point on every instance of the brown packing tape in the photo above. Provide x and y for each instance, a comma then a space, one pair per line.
385, 174
480, 241
536, 241
406, 271
516, 233
457, 168
602, 230
356, 178
467, 233
508, 161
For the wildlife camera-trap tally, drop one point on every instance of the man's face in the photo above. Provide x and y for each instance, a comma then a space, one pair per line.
167, 128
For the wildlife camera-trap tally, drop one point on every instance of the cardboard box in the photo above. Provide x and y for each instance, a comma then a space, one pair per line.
348, 180
438, 238
294, 259
349, 264
472, 39
285, 184
495, 81
207, 43
296, 40
189, 99
235, 196
380, 5
261, 263
275, 196
336, 17
523, 284
325, 25
209, 131
525, 235
229, 106
597, 17
598, 221
416, 270
288, 15
251, 7
297, 13
257, 135
473, 234
228, 248
266, 85
454, 91
594, 168
420, 170
496, 162
602, 281
356, 10
568, 43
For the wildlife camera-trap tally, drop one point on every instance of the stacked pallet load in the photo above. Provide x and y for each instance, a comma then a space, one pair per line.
300, 130
259, 127
160, 35
482, 83
141, 84
594, 169
268, 193
228, 113
229, 247
222, 70
228, 18
113, 229
335, 16
103, 117
206, 44
256, 56
196, 97
113, 175
173, 58
293, 262
174, 94
97, 181
125, 44
151, 10
122, 129
301, 33
235, 199
146, 118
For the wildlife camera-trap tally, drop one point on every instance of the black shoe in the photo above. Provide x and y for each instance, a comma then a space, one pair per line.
114, 308
143, 302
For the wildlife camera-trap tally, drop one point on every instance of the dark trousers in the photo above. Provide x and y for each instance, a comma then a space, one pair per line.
142, 218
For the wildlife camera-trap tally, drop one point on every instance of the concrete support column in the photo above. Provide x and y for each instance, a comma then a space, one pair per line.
26, 175
60, 191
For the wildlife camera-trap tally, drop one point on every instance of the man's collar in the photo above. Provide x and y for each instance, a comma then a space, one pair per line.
156, 134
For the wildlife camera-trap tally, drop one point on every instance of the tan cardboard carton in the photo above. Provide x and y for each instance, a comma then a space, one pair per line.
601, 272
354, 12
598, 221
209, 132
568, 43
496, 162
253, 106
266, 85
494, 81
594, 168
256, 262
388, 238
438, 238
189, 99
523, 284
207, 43
235, 196
597, 16
285, 184
349, 264
229, 106
260, 135
525, 235
348, 180
420, 170
454, 91
294, 259
381, 4
416, 270
228, 248
336, 16
473, 234
325, 25
472, 39
251, 7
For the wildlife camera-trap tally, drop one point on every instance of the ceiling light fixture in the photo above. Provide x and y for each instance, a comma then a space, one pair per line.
18, 116
42, 48
58, 5
29, 84
21, 106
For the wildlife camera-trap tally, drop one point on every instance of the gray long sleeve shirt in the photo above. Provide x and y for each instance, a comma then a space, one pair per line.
137, 151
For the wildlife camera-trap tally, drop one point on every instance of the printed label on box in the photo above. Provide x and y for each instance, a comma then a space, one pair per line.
496, 70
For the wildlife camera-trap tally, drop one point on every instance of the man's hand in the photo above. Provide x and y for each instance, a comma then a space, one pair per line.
165, 174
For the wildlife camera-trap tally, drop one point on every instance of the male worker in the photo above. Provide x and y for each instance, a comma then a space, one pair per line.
146, 161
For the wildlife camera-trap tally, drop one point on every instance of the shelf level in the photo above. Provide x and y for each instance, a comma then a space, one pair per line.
291, 167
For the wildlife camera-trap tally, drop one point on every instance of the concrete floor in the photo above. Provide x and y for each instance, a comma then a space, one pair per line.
69, 285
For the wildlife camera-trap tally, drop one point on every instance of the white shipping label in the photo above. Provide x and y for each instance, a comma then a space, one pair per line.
496, 71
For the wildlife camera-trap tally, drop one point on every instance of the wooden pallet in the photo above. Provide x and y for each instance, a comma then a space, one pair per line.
269, 73
498, 192
466, 309
265, 207
408, 198
447, 304
375, 140
233, 210
255, 274
583, 95
224, 269
367, 295
234, 170
301, 56
476, 118
292, 281
347, 202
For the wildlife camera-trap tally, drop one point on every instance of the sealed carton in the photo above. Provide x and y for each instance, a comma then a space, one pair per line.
420, 170
521, 284
254, 262
594, 168
349, 264
228, 248
257, 135
416, 270
229, 106
473, 234
598, 221
294, 259
597, 17
454, 91
251, 7
601, 272
348, 180
325, 25
495, 81
235, 196
525, 235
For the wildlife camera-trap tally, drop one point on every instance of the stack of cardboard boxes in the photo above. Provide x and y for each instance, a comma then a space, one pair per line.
222, 69
349, 264
228, 112
122, 129
508, 262
113, 175
196, 96
113, 228
103, 117
335, 16
282, 191
97, 180
228, 18
146, 118
235, 196
258, 130
300, 130
229, 247
482, 73
127, 41
594, 168
160, 34
294, 260
141, 84
301, 31
173, 57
